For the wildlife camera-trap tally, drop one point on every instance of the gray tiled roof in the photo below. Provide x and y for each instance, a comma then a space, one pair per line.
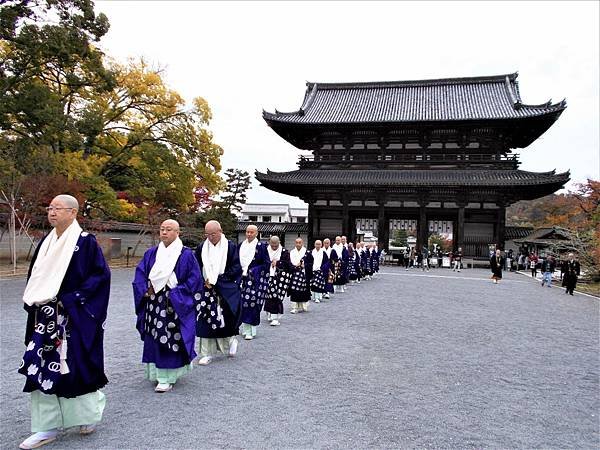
515, 232
429, 177
273, 227
452, 99
549, 233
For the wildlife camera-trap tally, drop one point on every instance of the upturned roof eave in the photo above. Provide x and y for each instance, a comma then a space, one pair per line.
510, 82
550, 178
279, 119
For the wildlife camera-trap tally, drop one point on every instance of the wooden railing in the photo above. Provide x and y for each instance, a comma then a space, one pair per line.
420, 160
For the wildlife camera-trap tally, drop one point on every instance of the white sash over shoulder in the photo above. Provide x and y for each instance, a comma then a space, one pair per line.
51, 265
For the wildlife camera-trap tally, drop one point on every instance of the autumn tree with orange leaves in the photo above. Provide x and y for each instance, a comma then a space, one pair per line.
577, 210
115, 134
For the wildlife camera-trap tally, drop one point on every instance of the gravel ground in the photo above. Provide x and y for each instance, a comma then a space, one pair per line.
409, 360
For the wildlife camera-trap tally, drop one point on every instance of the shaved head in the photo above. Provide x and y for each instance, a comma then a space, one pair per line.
251, 232
169, 231
274, 242
212, 225
62, 212
170, 223
68, 200
213, 231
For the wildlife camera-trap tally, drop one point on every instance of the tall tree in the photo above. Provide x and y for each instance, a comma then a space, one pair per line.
132, 143
143, 110
238, 183
49, 66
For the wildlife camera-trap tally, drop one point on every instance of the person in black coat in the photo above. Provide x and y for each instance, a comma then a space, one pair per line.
548, 267
496, 264
571, 270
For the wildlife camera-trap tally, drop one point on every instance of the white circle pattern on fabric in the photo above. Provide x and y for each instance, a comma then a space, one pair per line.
161, 320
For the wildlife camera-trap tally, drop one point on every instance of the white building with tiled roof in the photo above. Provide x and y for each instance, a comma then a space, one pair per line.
274, 219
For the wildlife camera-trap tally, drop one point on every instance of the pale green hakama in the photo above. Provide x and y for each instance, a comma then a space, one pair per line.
49, 412
163, 376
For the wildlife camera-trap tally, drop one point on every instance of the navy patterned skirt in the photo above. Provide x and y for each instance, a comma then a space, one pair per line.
317, 283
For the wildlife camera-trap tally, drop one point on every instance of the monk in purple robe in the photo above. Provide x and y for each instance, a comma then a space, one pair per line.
66, 299
166, 286
254, 259
220, 308
301, 263
340, 267
320, 270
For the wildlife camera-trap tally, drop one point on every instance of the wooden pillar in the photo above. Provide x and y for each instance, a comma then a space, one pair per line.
346, 231
381, 232
455, 235
500, 226
310, 220
351, 236
314, 224
422, 227
460, 227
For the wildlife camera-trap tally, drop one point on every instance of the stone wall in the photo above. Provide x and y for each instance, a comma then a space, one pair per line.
114, 244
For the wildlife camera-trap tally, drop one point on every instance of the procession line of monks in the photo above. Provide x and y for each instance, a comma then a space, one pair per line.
179, 294
271, 272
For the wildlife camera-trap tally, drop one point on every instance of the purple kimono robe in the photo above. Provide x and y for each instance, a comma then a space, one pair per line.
254, 285
182, 298
228, 287
84, 295
332, 259
375, 254
345, 259
353, 266
367, 262
322, 271
303, 273
278, 284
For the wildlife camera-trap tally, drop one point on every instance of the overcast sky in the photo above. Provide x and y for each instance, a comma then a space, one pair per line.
246, 56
